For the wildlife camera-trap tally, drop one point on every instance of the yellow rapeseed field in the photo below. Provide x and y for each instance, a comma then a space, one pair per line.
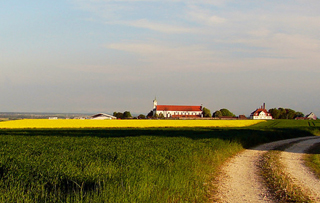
46, 123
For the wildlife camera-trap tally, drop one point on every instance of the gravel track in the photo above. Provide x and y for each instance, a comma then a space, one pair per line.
292, 158
240, 180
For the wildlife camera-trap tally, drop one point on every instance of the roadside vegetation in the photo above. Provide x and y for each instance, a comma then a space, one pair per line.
125, 165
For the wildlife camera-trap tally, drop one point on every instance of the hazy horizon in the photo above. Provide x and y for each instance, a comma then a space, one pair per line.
118, 55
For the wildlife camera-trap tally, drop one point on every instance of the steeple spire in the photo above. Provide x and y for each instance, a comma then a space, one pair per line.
155, 103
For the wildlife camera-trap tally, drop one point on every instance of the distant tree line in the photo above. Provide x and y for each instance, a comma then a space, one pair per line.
285, 113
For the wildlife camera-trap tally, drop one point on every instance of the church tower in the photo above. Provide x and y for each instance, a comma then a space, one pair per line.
155, 103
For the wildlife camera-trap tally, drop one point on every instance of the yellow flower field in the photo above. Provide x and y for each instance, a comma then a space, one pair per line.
46, 123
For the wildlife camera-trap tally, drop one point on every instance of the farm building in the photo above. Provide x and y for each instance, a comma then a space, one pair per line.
102, 116
311, 116
176, 111
261, 113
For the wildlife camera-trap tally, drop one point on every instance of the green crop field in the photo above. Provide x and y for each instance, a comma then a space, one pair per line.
126, 165
282, 123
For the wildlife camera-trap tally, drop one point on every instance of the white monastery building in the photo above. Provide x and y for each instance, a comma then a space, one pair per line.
175, 111
261, 114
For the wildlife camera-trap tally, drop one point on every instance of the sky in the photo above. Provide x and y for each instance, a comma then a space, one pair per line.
91, 56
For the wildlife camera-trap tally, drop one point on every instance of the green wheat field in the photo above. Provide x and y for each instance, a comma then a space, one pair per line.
126, 165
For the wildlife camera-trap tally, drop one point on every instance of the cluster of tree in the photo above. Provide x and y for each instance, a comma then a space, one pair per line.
124, 115
206, 112
284, 113
150, 115
217, 114
141, 116
223, 112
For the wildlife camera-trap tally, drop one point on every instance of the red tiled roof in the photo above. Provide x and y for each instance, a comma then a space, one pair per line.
178, 108
258, 111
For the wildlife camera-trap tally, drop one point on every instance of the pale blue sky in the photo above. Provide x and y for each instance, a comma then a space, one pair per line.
117, 55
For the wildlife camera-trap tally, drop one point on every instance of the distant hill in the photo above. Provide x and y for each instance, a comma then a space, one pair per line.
23, 115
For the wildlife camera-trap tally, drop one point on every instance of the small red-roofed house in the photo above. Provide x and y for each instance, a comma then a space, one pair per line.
261, 114
177, 111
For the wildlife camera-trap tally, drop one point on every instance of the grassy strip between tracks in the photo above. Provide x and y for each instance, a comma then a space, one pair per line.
277, 180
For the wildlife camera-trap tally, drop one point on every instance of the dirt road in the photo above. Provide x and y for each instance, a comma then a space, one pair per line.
240, 180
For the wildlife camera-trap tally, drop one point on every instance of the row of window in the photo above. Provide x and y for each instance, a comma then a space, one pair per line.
183, 113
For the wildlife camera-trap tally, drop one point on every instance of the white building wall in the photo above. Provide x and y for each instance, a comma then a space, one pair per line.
262, 117
169, 114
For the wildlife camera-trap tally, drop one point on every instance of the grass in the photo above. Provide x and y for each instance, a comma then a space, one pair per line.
117, 166
122, 165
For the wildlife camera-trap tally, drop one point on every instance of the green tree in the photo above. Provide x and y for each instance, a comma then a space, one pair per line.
119, 115
275, 113
161, 115
127, 114
290, 114
283, 113
206, 112
299, 114
141, 116
217, 114
226, 112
